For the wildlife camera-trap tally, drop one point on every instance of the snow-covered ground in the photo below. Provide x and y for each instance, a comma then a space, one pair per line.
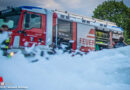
102, 70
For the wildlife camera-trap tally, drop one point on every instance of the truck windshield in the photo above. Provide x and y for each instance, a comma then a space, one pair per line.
10, 21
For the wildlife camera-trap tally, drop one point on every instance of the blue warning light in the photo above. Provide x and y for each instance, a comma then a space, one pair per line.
30, 7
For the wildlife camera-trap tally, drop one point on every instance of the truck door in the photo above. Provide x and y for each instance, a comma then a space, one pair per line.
85, 37
33, 29
64, 33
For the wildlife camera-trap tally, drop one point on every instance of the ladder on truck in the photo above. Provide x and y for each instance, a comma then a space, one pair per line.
89, 19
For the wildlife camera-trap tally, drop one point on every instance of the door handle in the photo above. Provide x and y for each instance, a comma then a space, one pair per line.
22, 32
40, 39
19, 31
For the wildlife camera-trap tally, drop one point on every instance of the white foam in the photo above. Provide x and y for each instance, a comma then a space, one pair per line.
102, 70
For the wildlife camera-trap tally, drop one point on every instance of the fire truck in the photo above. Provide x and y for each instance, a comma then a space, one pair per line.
49, 28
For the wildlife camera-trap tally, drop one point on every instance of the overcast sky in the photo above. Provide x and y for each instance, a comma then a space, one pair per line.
83, 7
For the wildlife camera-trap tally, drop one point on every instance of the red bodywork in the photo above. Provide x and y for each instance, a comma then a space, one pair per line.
1, 79
39, 34
88, 42
35, 33
74, 34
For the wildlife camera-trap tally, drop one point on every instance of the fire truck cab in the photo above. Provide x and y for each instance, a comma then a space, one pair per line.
50, 28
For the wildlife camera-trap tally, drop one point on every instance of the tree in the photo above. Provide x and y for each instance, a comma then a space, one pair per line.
115, 11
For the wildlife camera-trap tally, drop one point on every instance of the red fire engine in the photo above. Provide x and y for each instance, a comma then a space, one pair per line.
49, 28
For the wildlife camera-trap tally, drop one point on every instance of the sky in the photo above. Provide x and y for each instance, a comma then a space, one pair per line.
82, 7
